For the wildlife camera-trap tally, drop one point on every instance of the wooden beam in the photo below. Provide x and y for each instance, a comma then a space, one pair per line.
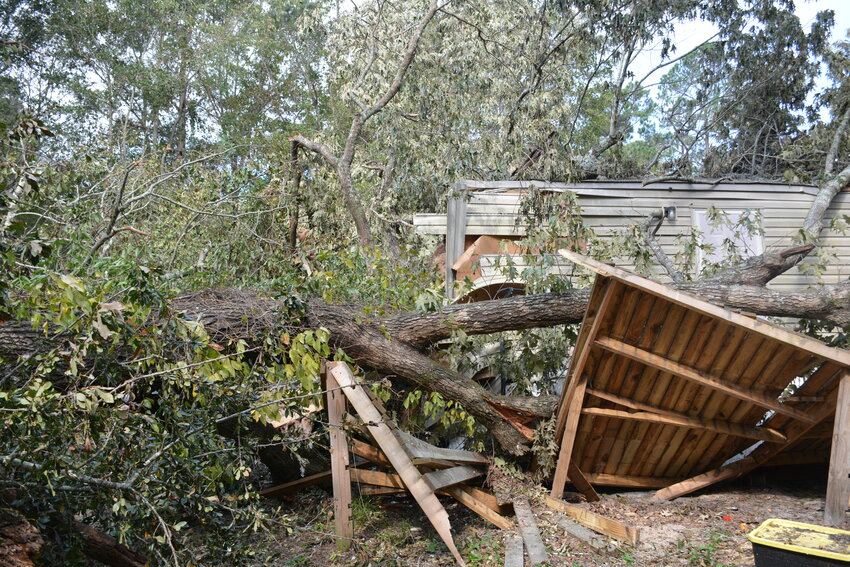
700, 305
395, 452
450, 477
583, 485
758, 433
470, 500
377, 478
702, 378
603, 479
574, 397
367, 490
368, 452
513, 550
597, 523
293, 485
838, 487
343, 527
760, 455
530, 534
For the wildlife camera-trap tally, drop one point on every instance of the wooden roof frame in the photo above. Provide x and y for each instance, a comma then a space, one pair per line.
798, 419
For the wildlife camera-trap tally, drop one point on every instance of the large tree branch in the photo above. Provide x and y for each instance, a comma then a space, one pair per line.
829, 163
814, 220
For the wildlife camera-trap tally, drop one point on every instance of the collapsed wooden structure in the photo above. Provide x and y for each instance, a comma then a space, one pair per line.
668, 391
398, 462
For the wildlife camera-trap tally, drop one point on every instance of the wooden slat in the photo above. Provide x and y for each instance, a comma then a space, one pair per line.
693, 302
513, 550
762, 434
339, 465
701, 378
377, 478
625, 481
760, 455
575, 398
470, 500
530, 534
294, 485
395, 452
601, 524
838, 487
367, 490
634, 330
368, 452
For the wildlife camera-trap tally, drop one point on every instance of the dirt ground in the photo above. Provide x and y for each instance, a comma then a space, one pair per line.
708, 529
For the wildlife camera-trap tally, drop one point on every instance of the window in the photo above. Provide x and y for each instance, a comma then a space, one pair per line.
725, 231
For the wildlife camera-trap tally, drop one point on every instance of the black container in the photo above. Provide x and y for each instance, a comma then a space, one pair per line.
783, 543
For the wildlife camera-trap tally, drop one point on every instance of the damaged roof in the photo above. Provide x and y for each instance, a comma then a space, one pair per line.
668, 391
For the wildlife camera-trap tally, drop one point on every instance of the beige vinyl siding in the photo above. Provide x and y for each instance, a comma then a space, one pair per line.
611, 206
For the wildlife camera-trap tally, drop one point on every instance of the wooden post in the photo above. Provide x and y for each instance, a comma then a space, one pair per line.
339, 465
838, 487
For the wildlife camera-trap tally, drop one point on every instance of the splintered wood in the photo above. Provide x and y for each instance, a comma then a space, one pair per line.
664, 388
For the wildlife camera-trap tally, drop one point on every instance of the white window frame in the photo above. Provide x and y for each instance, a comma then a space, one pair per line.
751, 245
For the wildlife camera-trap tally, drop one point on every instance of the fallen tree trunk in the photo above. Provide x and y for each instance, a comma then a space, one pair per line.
389, 345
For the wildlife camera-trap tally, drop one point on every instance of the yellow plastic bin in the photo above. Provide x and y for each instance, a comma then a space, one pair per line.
783, 543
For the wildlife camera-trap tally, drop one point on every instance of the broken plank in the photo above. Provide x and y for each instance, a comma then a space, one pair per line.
580, 532
530, 534
513, 550
468, 499
594, 521
377, 478
395, 452
450, 477
490, 500
343, 527
419, 449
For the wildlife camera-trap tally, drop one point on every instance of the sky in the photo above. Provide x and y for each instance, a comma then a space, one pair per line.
692, 34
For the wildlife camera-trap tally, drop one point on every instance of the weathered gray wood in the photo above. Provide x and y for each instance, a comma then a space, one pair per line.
582, 533
339, 465
513, 550
838, 487
452, 476
530, 534
420, 449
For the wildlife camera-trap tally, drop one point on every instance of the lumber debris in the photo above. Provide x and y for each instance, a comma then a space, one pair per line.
596, 522
530, 533
513, 550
